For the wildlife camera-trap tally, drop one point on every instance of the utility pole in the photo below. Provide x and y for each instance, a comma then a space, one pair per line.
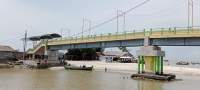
83, 25
188, 14
25, 45
61, 32
117, 21
190, 10
192, 4
124, 27
69, 33
124, 20
90, 25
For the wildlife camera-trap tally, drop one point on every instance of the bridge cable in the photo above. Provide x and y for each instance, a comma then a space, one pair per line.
114, 18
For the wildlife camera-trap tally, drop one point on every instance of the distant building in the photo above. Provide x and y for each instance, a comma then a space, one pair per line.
110, 56
7, 53
19, 55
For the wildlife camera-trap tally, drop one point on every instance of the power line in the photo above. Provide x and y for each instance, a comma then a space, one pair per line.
114, 18
164, 10
11, 39
124, 20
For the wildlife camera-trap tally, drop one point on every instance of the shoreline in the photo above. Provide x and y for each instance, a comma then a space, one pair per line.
130, 68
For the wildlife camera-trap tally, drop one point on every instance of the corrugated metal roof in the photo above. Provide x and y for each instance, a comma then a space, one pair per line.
6, 48
46, 36
116, 53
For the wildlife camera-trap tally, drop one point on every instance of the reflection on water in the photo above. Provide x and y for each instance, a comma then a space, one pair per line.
149, 85
12, 79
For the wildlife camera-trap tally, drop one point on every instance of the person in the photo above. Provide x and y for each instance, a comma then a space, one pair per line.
105, 69
84, 66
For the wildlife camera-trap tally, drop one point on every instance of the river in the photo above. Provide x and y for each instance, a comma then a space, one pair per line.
22, 79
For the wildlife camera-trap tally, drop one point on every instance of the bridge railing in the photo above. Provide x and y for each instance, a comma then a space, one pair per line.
31, 50
154, 32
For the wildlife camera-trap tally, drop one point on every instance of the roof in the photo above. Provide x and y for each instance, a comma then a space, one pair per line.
117, 53
127, 57
46, 36
35, 38
6, 48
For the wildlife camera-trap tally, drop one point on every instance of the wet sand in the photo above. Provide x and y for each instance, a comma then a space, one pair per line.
130, 67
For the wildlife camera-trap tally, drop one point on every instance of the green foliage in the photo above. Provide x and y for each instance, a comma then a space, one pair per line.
85, 53
123, 49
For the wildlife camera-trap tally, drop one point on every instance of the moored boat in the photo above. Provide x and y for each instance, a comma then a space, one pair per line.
195, 63
182, 63
71, 67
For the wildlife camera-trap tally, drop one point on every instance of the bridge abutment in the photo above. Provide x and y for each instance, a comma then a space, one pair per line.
53, 56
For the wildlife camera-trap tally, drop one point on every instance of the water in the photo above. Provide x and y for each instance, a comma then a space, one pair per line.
16, 79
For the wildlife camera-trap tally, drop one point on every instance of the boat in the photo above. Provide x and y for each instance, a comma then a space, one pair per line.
71, 67
182, 63
166, 60
195, 63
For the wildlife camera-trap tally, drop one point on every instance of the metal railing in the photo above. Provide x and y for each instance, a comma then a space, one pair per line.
37, 46
144, 32
156, 33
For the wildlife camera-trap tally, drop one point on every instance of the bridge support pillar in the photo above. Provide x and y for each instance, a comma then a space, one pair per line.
150, 60
52, 56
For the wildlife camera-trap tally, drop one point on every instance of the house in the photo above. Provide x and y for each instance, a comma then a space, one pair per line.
7, 53
19, 55
110, 56
126, 59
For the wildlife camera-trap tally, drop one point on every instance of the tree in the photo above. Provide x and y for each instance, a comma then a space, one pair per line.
123, 49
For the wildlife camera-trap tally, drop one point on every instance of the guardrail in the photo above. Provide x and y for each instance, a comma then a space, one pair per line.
31, 50
134, 34
153, 33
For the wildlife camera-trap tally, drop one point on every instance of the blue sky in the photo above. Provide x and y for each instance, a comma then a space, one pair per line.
48, 16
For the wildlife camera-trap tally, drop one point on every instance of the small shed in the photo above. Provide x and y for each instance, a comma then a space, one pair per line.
6, 53
110, 56
126, 59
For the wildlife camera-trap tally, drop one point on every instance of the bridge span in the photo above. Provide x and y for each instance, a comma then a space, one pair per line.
150, 55
163, 37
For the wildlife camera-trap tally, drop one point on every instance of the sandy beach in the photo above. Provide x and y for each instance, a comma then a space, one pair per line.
129, 67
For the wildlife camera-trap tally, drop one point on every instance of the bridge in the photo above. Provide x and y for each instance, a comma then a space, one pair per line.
149, 40
150, 55
162, 37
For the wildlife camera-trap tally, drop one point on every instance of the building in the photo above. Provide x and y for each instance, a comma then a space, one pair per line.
7, 53
110, 56
19, 55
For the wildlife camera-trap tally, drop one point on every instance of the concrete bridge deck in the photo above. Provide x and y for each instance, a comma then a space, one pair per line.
162, 37
170, 33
